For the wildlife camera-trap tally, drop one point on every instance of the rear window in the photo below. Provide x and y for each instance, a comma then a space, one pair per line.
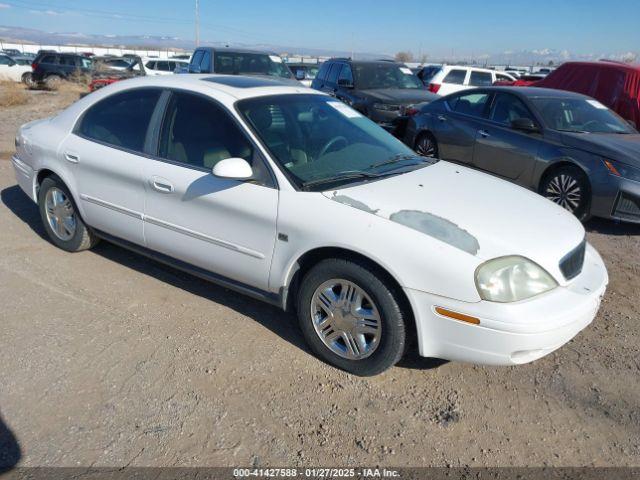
480, 79
49, 59
456, 77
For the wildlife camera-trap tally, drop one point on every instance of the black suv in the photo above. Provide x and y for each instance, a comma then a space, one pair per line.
382, 90
50, 68
232, 61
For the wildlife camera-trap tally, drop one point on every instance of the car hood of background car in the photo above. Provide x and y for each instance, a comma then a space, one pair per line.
622, 147
403, 96
472, 211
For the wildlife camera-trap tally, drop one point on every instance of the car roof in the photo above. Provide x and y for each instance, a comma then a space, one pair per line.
531, 92
367, 62
237, 50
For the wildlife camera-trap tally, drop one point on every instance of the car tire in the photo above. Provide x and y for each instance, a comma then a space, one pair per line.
61, 218
351, 317
568, 187
426, 145
27, 79
52, 82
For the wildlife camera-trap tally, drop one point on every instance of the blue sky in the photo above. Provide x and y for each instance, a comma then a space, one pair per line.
458, 27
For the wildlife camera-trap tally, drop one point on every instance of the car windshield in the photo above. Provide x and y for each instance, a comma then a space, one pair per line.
321, 141
241, 63
370, 76
580, 115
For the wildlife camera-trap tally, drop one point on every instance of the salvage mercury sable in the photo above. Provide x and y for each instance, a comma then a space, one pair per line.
292, 197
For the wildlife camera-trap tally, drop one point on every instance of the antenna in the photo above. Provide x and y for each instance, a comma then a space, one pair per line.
197, 23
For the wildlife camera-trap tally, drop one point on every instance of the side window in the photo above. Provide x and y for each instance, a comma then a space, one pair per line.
163, 66
346, 74
122, 119
333, 73
205, 63
507, 108
324, 69
480, 79
456, 77
503, 78
51, 59
197, 58
151, 65
4, 60
470, 104
197, 132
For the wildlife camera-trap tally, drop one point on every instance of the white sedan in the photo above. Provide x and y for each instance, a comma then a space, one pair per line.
287, 195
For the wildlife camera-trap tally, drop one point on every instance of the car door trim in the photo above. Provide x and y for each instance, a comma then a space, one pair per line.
203, 237
259, 294
112, 206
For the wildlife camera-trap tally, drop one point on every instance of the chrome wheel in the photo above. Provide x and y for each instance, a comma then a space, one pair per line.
565, 191
346, 319
426, 146
60, 214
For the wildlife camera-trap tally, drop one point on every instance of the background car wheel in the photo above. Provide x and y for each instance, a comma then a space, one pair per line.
53, 82
568, 187
27, 79
426, 145
351, 318
61, 219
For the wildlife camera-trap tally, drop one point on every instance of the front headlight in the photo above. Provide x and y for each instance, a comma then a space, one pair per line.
510, 279
387, 107
622, 170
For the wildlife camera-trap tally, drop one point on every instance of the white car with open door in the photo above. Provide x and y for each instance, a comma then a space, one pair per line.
292, 197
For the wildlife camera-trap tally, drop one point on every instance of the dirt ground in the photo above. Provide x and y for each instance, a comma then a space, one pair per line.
109, 359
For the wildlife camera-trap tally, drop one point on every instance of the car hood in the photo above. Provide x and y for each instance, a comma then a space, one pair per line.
399, 96
471, 211
624, 148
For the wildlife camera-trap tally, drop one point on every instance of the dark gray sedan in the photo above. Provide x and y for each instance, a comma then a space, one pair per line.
565, 146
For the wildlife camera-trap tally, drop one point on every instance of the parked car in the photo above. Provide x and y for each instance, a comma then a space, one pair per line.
521, 81
181, 56
12, 70
101, 78
568, 147
50, 68
380, 90
616, 85
236, 180
232, 61
113, 63
453, 78
12, 52
426, 73
164, 67
304, 72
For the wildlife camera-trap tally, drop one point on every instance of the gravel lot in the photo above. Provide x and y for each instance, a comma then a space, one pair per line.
109, 359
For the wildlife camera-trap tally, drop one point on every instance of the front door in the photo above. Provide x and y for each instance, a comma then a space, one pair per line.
224, 226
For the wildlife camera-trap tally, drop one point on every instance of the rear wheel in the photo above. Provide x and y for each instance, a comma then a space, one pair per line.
568, 187
53, 82
351, 317
61, 219
27, 79
426, 145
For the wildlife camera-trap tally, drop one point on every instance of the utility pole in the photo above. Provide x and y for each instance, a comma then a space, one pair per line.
197, 23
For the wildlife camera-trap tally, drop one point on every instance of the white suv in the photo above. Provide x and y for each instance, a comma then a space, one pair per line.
452, 78
155, 66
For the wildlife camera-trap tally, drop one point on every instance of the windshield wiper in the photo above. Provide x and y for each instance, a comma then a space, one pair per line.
397, 158
346, 175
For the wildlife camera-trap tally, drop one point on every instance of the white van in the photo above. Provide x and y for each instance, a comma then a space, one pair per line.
452, 78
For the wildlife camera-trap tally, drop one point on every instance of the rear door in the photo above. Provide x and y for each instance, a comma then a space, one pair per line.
221, 225
106, 153
456, 127
502, 150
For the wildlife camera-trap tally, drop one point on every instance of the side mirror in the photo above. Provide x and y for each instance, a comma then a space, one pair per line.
343, 82
233, 168
525, 125
300, 75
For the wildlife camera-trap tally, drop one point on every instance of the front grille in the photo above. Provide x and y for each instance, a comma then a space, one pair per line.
571, 264
627, 207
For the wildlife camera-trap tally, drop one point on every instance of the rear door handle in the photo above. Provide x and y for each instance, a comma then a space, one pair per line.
484, 133
71, 157
442, 118
161, 184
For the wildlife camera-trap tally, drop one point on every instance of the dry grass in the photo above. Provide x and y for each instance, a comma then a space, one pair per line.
12, 94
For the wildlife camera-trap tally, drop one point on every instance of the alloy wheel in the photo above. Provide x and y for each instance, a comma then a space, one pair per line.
426, 147
346, 319
564, 190
60, 214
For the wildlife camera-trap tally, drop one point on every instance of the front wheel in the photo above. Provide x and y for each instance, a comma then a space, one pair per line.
426, 145
568, 187
61, 219
351, 317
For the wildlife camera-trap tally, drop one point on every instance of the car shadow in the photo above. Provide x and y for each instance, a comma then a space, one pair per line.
10, 451
612, 227
281, 323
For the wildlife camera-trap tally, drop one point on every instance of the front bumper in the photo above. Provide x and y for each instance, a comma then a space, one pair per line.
510, 333
616, 198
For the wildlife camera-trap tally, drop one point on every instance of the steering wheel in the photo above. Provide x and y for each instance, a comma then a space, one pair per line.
332, 143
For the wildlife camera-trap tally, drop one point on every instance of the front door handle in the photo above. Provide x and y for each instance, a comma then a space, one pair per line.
484, 133
442, 118
71, 157
161, 184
